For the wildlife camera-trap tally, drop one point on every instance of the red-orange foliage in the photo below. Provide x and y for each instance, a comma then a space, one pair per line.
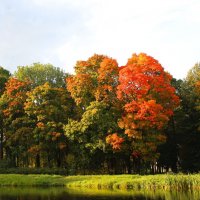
95, 79
15, 92
197, 86
40, 125
143, 78
197, 90
81, 88
15, 87
34, 149
114, 140
146, 90
90, 66
148, 97
107, 80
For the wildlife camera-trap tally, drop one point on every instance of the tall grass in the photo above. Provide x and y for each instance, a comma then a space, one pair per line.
136, 182
114, 182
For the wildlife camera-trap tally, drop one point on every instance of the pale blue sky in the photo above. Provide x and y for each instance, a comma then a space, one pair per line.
61, 32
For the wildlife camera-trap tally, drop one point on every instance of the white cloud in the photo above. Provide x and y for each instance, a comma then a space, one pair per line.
51, 2
60, 3
120, 28
64, 31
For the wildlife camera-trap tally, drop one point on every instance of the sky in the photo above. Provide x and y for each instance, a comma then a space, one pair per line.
61, 32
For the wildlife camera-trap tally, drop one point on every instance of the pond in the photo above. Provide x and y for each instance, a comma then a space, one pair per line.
89, 194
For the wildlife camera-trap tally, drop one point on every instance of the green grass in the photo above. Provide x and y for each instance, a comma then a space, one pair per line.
114, 182
31, 180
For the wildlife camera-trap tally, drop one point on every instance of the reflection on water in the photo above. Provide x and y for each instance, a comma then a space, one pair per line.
90, 194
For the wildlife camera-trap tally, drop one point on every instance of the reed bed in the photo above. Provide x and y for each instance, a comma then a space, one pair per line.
115, 182
137, 182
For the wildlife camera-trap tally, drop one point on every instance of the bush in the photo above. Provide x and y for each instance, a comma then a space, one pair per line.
4, 164
57, 171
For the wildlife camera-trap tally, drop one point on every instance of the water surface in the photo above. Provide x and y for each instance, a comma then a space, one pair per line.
90, 194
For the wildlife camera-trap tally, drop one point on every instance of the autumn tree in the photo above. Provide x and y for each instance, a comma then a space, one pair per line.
95, 80
50, 108
104, 118
149, 100
108, 75
83, 84
12, 106
93, 87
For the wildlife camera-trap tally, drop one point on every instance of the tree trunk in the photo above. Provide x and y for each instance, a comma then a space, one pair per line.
37, 161
1, 141
1, 144
128, 164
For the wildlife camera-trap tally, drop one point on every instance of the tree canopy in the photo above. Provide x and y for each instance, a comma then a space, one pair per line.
39, 74
104, 118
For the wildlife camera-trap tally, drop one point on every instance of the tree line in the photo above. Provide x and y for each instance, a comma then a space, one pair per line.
104, 118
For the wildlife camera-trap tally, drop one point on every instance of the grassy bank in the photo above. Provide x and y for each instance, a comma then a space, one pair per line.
114, 182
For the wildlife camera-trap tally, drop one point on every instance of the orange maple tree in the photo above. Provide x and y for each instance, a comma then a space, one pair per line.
82, 85
93, 88
108, 75
15, 93
16, 127
95, 80
149, 100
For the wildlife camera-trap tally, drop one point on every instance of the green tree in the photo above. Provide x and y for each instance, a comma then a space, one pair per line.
89, 134
38, 74
170, 151
189, 121
4, 75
